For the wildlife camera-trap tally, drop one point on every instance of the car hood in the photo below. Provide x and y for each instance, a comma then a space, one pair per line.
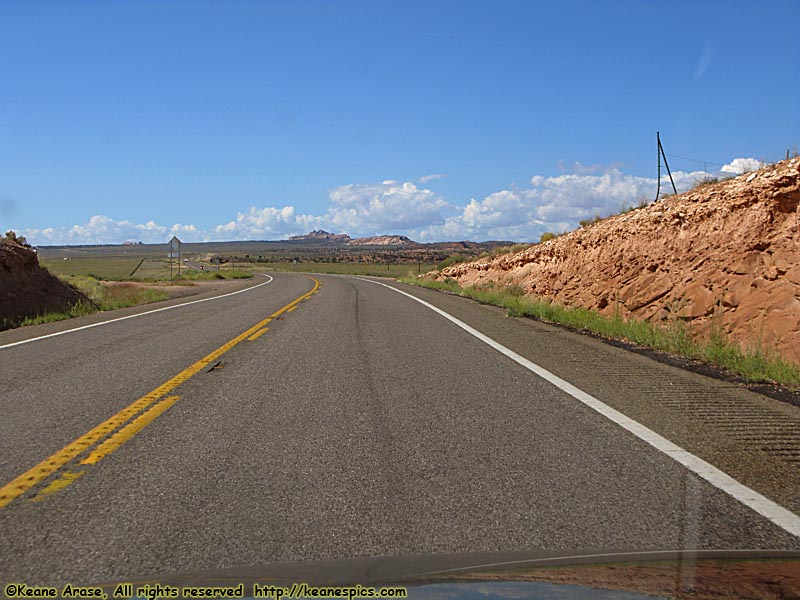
537, 574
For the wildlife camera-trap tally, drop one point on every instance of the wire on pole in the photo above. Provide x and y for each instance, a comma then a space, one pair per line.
697, 160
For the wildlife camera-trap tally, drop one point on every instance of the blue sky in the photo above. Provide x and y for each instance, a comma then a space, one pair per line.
258, 120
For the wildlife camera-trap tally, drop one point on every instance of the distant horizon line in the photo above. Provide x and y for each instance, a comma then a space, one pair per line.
252, 241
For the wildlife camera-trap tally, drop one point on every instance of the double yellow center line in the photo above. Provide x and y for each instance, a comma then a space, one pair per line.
109, 435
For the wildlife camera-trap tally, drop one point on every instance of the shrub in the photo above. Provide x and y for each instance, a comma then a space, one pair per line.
453, 259
13, 238
547, 236
587, 222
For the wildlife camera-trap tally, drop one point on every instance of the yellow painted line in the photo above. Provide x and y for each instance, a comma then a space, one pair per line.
58, 484
291, 309
258, 334
127, 432
30, 478
48, 466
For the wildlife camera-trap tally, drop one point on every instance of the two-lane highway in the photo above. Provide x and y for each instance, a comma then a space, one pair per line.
360, 423
55, 387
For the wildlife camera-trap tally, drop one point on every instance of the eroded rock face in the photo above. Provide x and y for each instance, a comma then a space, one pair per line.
382, 240
724, 255
27, 289
321, 235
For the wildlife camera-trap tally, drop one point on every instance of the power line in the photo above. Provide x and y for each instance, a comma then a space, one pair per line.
697, 160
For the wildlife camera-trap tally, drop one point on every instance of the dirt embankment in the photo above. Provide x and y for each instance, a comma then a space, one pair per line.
722, 255
27, 289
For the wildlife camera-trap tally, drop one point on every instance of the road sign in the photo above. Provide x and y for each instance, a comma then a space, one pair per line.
174, 252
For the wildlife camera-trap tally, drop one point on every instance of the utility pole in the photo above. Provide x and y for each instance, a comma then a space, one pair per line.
661, 154
658, 154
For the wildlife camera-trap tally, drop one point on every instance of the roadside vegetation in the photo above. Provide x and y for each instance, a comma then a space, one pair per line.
11, 237
76, 310
110, 296
756, 365
101, 298
195, 275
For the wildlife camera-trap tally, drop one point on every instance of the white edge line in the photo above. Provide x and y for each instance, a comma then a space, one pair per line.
777, 514
149, 312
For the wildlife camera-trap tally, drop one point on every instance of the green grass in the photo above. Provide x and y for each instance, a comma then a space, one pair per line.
102, 297
118, 295
76, 310
153, 270
753, 365
195, 275
453, 259
146, 269
110, 269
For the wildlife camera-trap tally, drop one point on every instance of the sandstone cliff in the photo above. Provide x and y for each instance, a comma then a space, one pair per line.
724, 254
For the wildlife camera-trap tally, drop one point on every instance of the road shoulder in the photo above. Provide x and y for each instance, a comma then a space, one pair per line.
749, 436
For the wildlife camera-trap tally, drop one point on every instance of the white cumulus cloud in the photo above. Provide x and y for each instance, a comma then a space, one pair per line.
546, 204
387, 207
558, 203
742, 165
519, 213
265, 223
98, 229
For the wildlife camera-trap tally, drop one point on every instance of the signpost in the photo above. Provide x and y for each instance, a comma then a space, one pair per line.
174, 252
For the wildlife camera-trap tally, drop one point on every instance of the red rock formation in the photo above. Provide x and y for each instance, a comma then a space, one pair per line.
726, 254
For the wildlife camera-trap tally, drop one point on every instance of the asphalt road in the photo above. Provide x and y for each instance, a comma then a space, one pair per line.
193, 264
361, 424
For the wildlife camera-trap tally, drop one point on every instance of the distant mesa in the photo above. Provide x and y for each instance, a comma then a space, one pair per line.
383, 240
320, 235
